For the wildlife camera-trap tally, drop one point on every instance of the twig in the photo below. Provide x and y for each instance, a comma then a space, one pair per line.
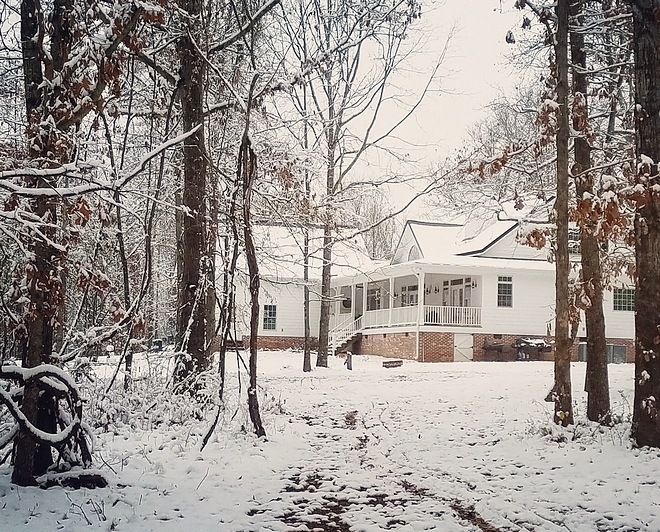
203, 479
82, 510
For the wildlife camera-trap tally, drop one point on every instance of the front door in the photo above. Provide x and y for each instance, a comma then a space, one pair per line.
457, 296
462, 347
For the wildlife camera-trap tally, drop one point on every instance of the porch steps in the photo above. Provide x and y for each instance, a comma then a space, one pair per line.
346, 344
344, 335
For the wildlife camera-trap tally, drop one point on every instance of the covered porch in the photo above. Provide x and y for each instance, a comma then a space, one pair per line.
452, 300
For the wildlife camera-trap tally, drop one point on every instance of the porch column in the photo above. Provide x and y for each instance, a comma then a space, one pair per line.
365, 289
420, 310
391, 299
353, 305
420, 301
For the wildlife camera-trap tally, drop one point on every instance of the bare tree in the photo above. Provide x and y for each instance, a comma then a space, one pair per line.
597, 382
196, 275
344, 54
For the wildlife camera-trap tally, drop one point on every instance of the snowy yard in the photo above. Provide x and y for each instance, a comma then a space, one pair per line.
409, 448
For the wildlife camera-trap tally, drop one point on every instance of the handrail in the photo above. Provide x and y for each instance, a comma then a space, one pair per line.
340, 334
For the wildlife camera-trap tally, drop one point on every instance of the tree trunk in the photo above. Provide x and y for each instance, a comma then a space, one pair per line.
326, 271
562, 388
324, 321
192, 247
646, 37
307, 346
596, 381
44, 282
247, 171
307, 351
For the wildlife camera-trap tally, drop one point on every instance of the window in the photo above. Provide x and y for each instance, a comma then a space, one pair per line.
345, 301
574, 241
270, 317
504, 291
409, 297
624, 299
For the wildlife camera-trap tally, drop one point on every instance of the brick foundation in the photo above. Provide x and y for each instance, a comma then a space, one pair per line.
393, 345
494, 347
436, 347
630, 346
280, 342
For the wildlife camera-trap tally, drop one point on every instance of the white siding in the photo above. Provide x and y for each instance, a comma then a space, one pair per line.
618, 323
289, 299
533, 303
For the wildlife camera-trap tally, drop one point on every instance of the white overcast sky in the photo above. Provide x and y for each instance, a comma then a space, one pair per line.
474, 73
476, 65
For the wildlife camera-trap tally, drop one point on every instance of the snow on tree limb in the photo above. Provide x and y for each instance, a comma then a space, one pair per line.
70, 170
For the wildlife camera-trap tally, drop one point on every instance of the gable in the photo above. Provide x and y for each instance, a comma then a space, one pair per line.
407, 244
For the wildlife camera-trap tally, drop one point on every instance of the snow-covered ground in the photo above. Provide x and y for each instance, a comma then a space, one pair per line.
447, 447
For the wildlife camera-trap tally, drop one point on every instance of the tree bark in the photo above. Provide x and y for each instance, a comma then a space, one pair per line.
646, 37
44, 282
247, 171
562, 388
31, 18
307, 351
192, 247
326, 270
596, 380
324, 321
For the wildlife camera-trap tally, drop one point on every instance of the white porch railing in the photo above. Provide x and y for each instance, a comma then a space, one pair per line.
433, 315
339, 335
405, 315
376, 318
398, 316
459, 316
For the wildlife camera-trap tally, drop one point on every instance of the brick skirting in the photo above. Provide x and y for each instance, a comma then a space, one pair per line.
280, 342
393, 345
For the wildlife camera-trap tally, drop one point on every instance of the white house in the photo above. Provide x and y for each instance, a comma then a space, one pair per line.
454, 293
280, 256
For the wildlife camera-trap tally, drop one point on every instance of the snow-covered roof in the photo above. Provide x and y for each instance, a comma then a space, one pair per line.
442, 242
280, 253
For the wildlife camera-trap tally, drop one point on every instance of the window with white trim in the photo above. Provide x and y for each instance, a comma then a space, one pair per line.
624, 299
270, 317
504, 291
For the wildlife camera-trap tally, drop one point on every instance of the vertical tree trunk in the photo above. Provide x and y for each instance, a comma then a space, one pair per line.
307, 350
597, 382
44, 282
192, 247
31, 458
307, 346
562, 388
326, 271
330, 133
324, 321
646, 37
247, 170
26, 448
